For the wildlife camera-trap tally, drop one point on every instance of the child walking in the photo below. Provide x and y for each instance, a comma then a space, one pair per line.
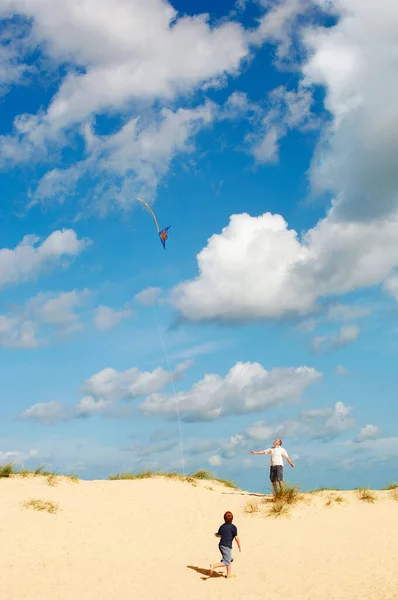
227, 534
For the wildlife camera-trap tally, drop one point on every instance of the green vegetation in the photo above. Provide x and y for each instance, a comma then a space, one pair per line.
333, 499
251, 507
40, 505
8, 470
391, 486
366, 495
201, 475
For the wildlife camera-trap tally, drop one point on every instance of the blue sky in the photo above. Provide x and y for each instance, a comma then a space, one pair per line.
264, 133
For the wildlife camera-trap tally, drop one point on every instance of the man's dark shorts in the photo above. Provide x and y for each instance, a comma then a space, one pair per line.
276, 473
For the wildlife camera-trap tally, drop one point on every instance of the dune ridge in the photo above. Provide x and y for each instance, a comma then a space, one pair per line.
154, 538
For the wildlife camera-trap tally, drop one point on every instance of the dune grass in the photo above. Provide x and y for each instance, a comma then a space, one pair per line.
201, 475
324, 489
284, 500
8, 470
251, 507
333, 499
391, 486
41, 505
366, 495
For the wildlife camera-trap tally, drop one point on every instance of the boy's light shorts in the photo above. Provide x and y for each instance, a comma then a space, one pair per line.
226, 555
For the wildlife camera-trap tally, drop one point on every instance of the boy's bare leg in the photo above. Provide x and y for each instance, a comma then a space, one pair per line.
281, 485
215, 566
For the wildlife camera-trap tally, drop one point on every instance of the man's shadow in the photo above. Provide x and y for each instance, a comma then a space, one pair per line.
204, 572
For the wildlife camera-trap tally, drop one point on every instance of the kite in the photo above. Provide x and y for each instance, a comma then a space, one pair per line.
163, 235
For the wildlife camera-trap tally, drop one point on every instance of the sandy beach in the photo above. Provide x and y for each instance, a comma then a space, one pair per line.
154, 539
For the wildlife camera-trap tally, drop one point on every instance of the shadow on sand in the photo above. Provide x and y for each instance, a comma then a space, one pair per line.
205, 572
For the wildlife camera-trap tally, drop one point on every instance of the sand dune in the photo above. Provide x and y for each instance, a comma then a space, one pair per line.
153, 539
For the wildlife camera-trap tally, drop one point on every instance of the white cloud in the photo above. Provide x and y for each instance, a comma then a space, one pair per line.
247, 387
48, 413
342, 312
279, 23
330, 342
128, 163
58, 308
16, 456
288, 110
391, 286
29, 259
215, 460
148, 296
122, 55
103, 393
17, 333
113, 385
312, 424
257, 268
369, 432
107, 318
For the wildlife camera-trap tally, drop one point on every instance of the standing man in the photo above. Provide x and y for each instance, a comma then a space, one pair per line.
276, 471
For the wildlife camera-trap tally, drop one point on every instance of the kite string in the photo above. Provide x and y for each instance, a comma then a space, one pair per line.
174, 388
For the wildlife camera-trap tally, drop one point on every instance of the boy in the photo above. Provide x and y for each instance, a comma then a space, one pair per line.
276, 470
227, 533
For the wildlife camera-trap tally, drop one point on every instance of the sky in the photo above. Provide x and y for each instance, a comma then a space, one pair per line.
265, 133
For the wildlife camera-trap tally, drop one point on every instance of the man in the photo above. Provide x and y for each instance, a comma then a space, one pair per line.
276, 471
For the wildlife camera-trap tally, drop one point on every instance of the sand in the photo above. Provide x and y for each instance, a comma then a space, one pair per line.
154, 539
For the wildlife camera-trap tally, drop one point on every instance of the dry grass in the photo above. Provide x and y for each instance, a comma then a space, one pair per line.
366, 495
52, 479
333, 499
289, 494
391, 486
41, 505
201, 475
251, 507
279, 509
394, 493
324, 489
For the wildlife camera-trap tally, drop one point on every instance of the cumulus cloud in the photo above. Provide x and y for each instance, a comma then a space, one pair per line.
128, 163
246, 388
107, 318
17, 333
148, 296
369, 432
288, 109
127, 51
30, 258
326, 423
330, 342
58, 309
257, 268
104, 391
48, 413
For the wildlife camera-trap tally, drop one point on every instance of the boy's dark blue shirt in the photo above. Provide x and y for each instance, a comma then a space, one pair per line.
228, 532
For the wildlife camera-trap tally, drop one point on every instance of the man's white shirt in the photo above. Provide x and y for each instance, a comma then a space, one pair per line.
276, 455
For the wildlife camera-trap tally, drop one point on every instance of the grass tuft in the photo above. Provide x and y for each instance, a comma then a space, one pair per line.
391, 486
324, 489
332, 499
279, 509
52, 479
40, 505
289, 494
366, 495
7, 470
202, 475
251, 507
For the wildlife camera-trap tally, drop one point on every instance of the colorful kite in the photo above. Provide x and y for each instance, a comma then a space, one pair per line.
163, 235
